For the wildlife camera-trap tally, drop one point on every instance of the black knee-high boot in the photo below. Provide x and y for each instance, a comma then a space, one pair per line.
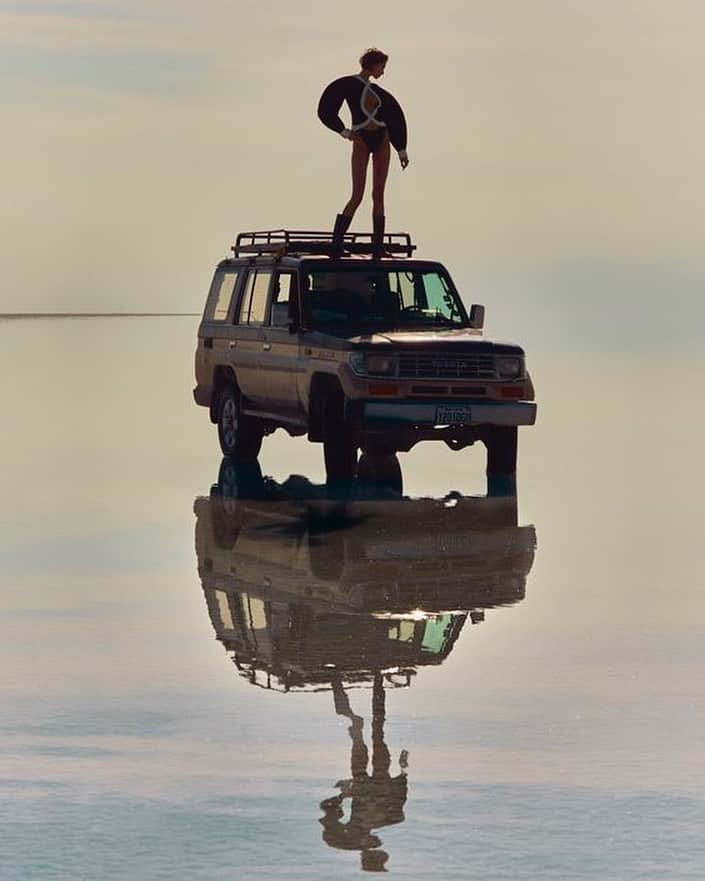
378, 235
342, 222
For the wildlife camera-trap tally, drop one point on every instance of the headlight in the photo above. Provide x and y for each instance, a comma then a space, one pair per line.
374, 365
509, 368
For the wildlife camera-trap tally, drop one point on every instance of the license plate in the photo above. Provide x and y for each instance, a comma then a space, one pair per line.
451, 414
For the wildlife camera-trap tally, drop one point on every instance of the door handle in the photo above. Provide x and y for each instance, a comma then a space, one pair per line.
266, 347
232, 344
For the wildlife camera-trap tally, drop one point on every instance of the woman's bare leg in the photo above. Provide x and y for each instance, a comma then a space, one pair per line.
380, 169
359, 160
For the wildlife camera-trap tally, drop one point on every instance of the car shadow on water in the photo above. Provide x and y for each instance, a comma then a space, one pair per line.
313, 588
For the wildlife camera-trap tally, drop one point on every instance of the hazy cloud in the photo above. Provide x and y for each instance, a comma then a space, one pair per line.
543, 134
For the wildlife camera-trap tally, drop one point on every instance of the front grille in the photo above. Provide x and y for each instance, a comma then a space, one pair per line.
445, 365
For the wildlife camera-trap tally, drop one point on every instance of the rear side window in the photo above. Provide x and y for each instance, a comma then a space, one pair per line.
224, 286
284, 300
253, 307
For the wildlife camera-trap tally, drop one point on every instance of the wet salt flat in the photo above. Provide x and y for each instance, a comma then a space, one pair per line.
439, 686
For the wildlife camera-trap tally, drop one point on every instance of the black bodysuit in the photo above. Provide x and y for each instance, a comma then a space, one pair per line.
368, 105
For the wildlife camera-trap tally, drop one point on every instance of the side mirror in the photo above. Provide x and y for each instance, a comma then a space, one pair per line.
477, 316
293, 325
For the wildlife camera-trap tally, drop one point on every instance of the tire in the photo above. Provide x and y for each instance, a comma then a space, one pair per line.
381, 473
240, 436
236, 481
226, 523
239, 480
501, 443
339, 442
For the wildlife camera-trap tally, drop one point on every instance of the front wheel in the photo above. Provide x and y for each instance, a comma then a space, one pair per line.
501, 443
381, 473
240, 436
339, 443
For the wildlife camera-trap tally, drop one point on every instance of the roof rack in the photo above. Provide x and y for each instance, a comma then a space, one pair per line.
307, 241
284, 678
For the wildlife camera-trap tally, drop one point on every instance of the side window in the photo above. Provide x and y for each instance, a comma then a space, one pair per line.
222, 293
254, 302
284, 299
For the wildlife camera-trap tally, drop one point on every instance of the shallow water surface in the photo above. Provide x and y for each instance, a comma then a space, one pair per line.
217, 673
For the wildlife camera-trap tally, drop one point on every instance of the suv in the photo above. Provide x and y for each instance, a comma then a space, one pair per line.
356, 352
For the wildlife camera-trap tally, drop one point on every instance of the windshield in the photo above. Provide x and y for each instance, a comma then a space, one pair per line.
382, 298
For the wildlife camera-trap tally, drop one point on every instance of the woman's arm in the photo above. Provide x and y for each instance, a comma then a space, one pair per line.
396, 123
329, 105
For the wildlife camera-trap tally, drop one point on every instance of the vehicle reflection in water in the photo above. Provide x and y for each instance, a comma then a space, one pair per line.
312, 593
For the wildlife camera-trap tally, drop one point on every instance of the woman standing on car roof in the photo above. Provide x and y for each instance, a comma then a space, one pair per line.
377, 120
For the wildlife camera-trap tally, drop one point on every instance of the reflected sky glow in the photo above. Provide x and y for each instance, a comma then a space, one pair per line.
575, 712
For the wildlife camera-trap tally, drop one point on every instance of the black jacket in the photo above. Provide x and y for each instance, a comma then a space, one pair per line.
381, 108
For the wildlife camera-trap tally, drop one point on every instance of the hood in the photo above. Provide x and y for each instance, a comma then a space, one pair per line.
464, 338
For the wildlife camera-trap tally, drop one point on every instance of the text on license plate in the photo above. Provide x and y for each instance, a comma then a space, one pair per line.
450, 414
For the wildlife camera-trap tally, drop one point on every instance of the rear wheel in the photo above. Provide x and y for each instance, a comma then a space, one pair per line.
240, 436
236, 481
239, 480
225, 521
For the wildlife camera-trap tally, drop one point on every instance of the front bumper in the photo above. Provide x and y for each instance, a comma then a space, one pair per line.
425, 413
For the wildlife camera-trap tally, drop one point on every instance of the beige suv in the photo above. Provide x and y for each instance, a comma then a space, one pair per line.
353, 351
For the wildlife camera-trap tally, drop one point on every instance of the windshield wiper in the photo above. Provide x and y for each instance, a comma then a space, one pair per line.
443, 321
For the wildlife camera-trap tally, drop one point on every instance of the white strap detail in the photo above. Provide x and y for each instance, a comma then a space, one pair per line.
371, 115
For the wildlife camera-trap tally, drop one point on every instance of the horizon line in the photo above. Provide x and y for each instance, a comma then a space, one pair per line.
10, 315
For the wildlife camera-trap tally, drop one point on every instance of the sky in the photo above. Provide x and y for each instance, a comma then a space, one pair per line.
556, 151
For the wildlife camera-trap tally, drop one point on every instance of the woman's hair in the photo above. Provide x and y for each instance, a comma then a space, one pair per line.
373, 56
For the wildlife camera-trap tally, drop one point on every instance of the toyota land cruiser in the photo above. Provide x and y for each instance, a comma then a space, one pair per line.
353, 351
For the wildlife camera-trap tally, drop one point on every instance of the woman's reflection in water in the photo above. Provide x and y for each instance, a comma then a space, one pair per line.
376, 799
